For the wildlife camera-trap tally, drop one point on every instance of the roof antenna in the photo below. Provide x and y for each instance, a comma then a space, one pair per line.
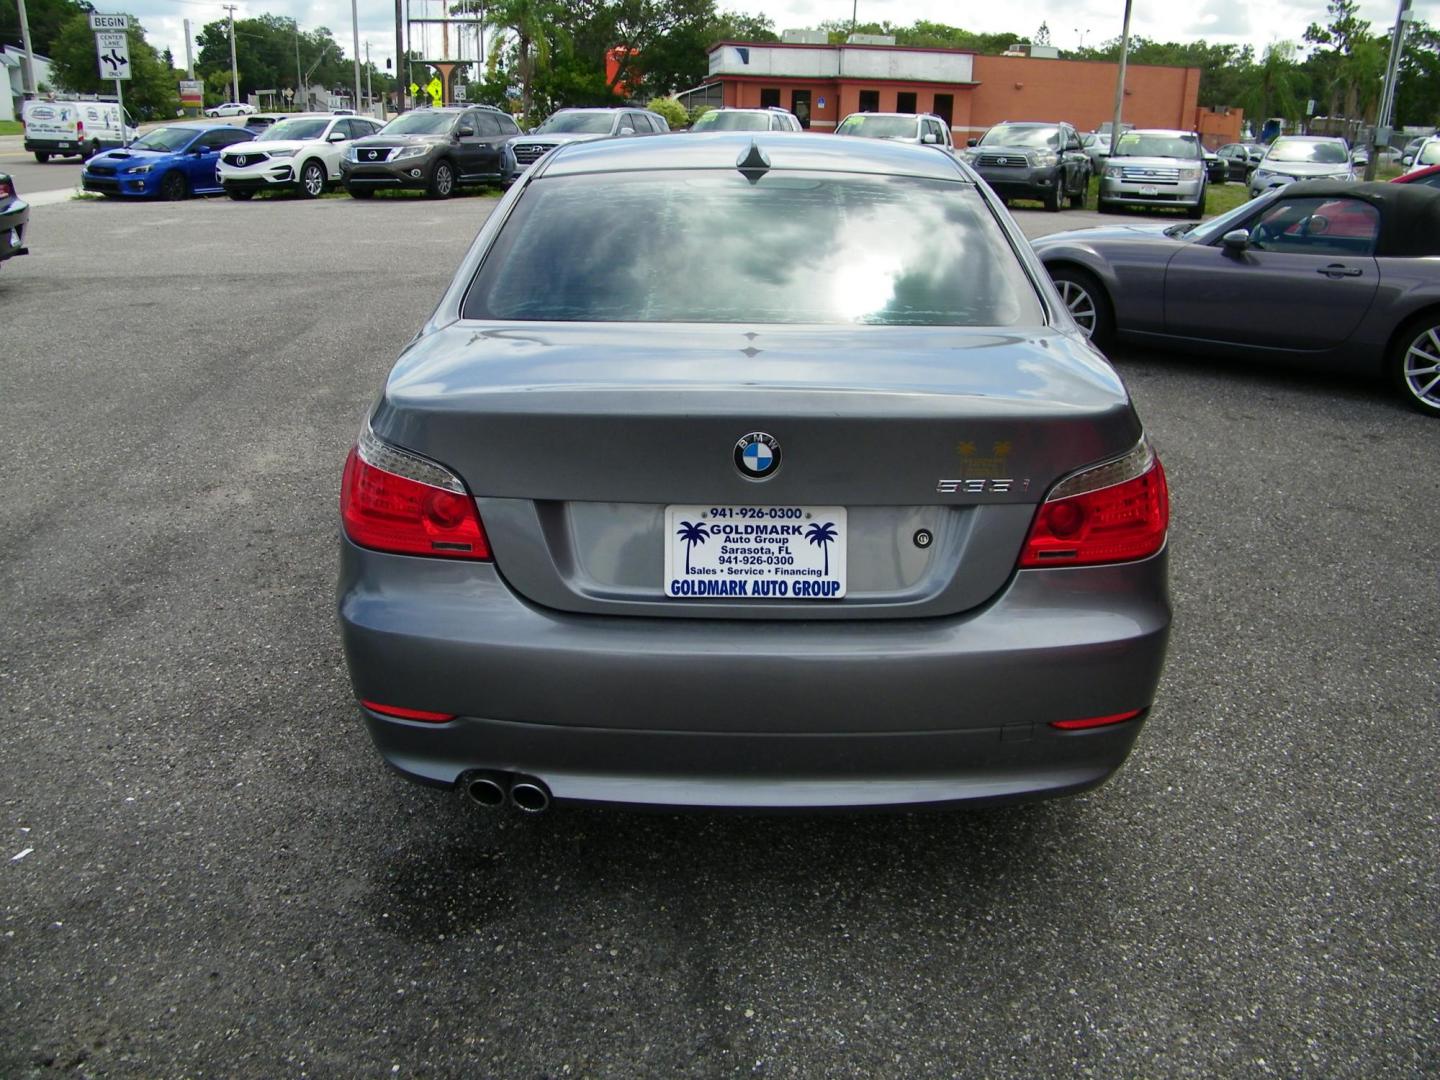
753, 163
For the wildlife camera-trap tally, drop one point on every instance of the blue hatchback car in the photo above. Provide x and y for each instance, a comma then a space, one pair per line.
171, 162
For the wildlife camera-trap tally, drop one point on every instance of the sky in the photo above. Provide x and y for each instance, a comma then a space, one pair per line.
1086, 22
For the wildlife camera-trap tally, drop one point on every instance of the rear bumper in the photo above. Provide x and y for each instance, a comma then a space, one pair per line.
14, 224
688, 712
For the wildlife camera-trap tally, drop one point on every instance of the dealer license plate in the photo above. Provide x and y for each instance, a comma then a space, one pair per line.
755, 552
1149, 190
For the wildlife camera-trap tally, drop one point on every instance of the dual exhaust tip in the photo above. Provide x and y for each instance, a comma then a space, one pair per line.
490, 789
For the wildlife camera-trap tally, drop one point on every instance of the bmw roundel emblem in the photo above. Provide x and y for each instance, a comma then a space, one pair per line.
757, 455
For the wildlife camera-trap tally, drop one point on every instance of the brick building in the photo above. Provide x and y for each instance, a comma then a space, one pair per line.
822, 84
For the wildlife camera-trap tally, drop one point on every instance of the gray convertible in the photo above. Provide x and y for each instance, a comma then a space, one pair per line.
1323, 273
808, 494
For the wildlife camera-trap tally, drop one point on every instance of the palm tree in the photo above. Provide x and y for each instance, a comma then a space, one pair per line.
692, 533
530, 21
822, 535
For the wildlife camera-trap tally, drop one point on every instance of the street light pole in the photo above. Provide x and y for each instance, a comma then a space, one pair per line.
1120, 80
1384, 114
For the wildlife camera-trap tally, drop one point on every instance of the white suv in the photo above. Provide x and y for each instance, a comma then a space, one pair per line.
301, 151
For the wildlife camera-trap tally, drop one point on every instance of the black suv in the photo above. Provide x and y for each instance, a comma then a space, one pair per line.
1033, 161
433, 149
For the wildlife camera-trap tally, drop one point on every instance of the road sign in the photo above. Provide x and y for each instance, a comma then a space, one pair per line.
114, 52
109, 22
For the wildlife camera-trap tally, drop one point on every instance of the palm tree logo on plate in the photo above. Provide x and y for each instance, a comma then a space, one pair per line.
823, 535
692, 533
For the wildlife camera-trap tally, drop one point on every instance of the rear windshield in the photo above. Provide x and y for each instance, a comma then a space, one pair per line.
878, 127
1323, 153
1040, 138
580, 123
1139, 144
732, 121
790, 248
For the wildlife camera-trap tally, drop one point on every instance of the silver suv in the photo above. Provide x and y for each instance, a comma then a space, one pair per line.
898, 127
1302, 157
1155, 167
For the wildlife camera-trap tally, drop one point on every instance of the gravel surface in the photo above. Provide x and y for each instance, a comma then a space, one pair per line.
223, 880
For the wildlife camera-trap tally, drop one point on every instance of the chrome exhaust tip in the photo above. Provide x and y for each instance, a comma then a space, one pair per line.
486, 790
531, 796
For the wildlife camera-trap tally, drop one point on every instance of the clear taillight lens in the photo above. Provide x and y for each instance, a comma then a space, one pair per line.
393, 500
1116, 512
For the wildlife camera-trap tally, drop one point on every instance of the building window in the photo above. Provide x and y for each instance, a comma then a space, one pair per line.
869, 100
945, 108
905, 102
769, 97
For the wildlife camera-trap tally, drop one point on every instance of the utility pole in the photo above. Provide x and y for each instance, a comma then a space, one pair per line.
1381, 132
29, 86
369, 80
234, 67
1120, 81
299, 76
189, 53
401, 80
355, 31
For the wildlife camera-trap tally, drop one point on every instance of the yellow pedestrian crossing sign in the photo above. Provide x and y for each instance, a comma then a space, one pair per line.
436, 89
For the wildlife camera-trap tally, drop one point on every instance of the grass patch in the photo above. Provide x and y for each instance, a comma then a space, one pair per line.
87, 196
11, 127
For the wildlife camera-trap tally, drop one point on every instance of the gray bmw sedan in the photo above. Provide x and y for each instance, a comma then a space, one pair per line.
753, 470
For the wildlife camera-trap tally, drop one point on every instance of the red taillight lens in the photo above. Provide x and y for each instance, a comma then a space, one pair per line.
1125, 521
6, 190
408, 714
388, 512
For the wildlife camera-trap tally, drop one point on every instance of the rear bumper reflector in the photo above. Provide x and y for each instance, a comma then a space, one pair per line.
408, 714
1095, 721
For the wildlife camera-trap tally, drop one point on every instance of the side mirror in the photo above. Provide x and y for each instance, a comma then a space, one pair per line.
1236, 240
627, 131
972, 142
929, 137
464, 132
1408, 159
336, 136
198, 149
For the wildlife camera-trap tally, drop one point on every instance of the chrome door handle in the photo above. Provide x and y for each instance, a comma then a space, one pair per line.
1337, 270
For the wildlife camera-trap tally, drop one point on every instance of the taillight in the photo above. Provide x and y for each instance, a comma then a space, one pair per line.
1112, 513
79, 130
6, 190
402, 713
1095, 721
393, 500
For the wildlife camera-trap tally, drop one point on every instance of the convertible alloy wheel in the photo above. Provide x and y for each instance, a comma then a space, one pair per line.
1418, 369
1085, 298
312, 180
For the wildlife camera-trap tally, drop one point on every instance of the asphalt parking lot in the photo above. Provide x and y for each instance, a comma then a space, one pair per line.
223, 880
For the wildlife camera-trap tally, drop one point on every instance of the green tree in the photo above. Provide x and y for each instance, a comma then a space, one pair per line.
1335, 65
1275, 86
531, 22
151, 91
46, 18
1417, 95
671, 109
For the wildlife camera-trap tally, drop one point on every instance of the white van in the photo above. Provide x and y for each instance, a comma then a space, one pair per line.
74, 128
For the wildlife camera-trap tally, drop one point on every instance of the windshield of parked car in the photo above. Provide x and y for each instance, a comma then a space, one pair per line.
1323, 153
298, 128
786, 248
1143, 144
577, 123
1038, 138
421, 122
878, 127
1429, 154
732, 121
165, 139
